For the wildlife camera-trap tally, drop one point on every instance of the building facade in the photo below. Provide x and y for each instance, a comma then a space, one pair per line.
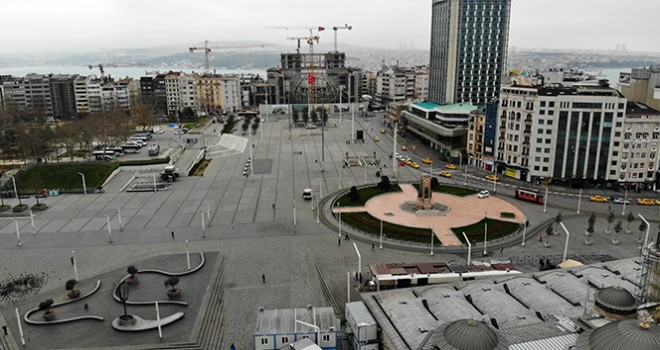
469, 41
642, 85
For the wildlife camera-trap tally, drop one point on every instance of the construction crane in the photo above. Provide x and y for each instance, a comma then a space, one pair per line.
310, 41
100, 67
335, 28
208, 49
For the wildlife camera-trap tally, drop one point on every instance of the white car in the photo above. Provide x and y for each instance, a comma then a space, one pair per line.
483, 194
307, 194
158, 130
619, 200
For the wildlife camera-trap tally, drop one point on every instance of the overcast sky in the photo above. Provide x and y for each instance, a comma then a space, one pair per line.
37, 26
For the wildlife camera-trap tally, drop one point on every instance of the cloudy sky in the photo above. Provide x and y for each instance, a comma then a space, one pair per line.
37, 26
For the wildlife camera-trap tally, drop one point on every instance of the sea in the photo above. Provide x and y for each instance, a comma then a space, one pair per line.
117, 72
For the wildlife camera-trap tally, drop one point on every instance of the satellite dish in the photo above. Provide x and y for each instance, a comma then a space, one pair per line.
367, 97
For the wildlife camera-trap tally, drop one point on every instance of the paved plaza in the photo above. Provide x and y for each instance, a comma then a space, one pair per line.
249, 223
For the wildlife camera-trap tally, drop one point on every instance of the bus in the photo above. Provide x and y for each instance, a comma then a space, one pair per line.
529, 195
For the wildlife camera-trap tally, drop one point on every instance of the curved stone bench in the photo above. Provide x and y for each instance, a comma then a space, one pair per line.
142, 325
161, 272
65, 320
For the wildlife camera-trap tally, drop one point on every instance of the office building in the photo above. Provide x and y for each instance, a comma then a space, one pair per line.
469, 42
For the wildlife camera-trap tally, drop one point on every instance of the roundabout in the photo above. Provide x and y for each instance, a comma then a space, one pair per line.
446, 212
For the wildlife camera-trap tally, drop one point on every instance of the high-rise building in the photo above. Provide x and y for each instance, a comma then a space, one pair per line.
469, 42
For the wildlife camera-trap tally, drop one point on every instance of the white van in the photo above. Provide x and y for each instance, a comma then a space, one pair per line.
307, 194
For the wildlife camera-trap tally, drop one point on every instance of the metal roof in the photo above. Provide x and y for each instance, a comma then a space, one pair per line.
283, 321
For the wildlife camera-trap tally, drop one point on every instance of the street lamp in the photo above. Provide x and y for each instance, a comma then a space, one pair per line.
18, 232
545, 200
469, 257
568, 235
648, 228
84, 182
13, 179
579, 202
339, 213
359, 260
107, 219
381, 234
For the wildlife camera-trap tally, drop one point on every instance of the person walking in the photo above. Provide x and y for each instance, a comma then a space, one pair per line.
4, 329
172, 234
263, 277
338, 242
373, 247
501, 250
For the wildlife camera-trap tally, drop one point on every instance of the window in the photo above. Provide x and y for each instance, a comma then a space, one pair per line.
285, 340
541, 121
326, 337
539, 140
551, 104
547, 150
542, 112
536, 167
549, 121
542, 103
539, 131
548, 141
545, 168
545, 160
264, 341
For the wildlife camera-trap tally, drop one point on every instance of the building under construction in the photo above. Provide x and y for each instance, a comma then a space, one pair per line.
331, 78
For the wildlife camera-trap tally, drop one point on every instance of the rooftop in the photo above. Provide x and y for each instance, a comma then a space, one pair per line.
426, 105
283, 321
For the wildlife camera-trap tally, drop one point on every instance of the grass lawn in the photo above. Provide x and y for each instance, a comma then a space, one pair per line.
63, 176
456, 191
496, 229
363, 221
366, 194
144, 161
199, 168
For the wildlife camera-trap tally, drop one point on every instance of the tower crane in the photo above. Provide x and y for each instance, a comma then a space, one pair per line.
335, 28
100, 67
208, 49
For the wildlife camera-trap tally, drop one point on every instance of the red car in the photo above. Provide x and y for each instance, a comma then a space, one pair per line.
402, 164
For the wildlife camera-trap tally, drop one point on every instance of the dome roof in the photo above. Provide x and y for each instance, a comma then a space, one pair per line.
470, 335
621, 335
617, 300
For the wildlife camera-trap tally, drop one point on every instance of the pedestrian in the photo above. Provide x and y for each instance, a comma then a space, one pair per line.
501, 250
71, 259
263, 278
373, 247
338, 242
273, 206
86, 306
232, 347
172, 234
541, 237
4, 329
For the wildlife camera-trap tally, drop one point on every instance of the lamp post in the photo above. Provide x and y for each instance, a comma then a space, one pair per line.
579, 201
208, 214
84, 182
294, 218
339, 213
432, 241
119, 218
568, 235
75, 264
359, 259
18, 232
648, 228
13, 180
524, 232
381, 234
341, 87
353, 107
625, 199
107, 220
469, 257
188, 255
395, 168
203, 225
465, 177
545, 200
34, 231
485, 233
348, 286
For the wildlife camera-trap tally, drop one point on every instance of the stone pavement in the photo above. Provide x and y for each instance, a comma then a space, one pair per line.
252, 235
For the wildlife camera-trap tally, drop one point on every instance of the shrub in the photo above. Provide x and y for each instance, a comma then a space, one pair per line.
132, 270
172, 281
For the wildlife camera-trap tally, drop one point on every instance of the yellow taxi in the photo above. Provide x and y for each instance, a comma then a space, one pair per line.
382, 131
492, 178
376, 138
407, 162
414, 165
427, 161
645, 201
404, 148
451, 167
657, 202
599, 199
444, 174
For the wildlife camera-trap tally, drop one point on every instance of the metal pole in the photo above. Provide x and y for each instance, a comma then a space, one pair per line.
580, 201
18, 233
84, 183
341, 87
188, 255
381, 234
460, 160
465, 181
294, 218
485, 237
395, 168
568, 235
154, 176
250, 147
494, 183
119, 217
545, 200
13, 180
353, 109
20, 327
625, 199
107, 219
203, 225
318, 209
524, 232
432, 241
469, 257
348, 286
648, 228
365, 174
208, 213
320, 185
160, 331
359, 258
75, 265
34, 231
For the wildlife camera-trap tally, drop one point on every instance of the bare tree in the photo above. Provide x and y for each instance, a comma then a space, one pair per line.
143, 115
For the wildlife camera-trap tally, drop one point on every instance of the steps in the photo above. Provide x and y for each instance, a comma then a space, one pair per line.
209, 333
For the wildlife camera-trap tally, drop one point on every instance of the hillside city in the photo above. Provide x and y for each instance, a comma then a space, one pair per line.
472, 196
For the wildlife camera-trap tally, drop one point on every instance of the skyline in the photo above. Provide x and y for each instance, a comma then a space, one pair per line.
74, 26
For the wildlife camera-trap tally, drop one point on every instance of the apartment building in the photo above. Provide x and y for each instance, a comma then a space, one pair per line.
37, 94
559, 132
397, 84
642, 85
637, 159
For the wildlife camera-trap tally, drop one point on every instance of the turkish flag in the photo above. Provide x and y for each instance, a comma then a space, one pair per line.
311, 79
321, 29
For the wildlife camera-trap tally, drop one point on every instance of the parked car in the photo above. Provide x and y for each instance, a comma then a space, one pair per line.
158, 130
620, 200
483, 194
599, 199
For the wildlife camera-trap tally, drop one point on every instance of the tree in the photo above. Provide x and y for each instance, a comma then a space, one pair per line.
255, 125
354, 195
558, 220
630, 218
610, 220
188, 114
123, 294
384, 183
70, 287
245, 126
434, 182
142, 114
45, 306
172, 282
591, 222
642, 229
617, 229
